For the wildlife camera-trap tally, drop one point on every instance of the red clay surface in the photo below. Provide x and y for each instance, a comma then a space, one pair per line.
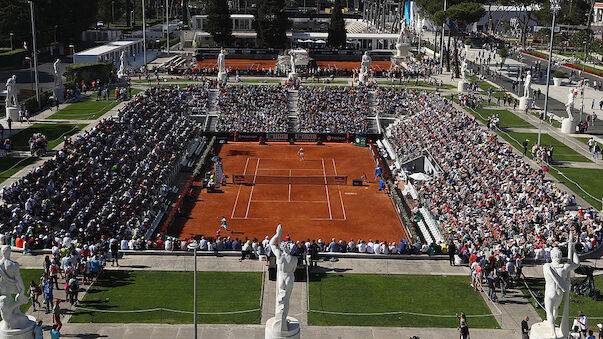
243, 64
305, 211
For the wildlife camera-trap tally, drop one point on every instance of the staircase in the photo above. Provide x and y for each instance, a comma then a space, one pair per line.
372, 117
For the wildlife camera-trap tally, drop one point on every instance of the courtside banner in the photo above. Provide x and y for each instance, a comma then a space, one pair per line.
306, 137
276, 137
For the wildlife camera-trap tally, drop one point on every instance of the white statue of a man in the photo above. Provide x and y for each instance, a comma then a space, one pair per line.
464, 69
557, 284
286, 263
570, 103
527, 85
402, 36
292, 60
11, 92
122, 64
222, 61
11, 283
58, 80
365, 64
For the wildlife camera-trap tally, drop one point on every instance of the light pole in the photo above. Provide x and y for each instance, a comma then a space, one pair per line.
144, 38
194, 246
35, 53
112, 12
167, 25
11, 34
555, 6
442, 40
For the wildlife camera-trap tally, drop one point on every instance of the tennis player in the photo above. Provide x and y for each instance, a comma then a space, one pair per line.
224, 226
300, 153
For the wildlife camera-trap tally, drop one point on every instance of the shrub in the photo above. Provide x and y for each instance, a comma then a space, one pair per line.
89, 72
559, 74
13, 58
31, 104
467, 41
503, 52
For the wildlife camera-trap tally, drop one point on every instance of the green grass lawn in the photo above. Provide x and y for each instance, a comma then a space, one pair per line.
585, 141
12, 165
577, 302
507, 118
138, 290
562, 152
84, 110
54, 133
267, 81
363, 293
590, 179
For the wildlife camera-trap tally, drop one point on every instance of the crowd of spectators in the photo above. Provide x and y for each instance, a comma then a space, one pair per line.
333, 109
488, 197
252, 109
111, 180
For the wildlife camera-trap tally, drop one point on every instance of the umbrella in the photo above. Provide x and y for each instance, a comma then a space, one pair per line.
321, 42
420, 176
216, 158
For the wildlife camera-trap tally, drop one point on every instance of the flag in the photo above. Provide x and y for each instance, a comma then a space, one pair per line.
25, 44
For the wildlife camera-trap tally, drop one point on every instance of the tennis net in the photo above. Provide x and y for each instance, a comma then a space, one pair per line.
290, 179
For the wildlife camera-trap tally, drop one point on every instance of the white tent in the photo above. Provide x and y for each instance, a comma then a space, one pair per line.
420, 176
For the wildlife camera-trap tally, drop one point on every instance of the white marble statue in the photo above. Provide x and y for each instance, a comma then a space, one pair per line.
11, 284
58, 80
11, 92
464, 70
222, 61
571, 95
527, 84
122, 65
285, 267
557, 286
365, 64
292, 57
402, 37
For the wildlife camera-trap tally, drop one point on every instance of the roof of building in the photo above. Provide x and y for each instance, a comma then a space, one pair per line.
109, 47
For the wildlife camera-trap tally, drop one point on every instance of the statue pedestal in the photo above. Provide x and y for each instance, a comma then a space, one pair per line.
13, 113
402, 50
292, 76
398, 60
363, 79
20, 333
525, 102
58, 93
462, 86
291, 333
543, 331
568, 126
222, 77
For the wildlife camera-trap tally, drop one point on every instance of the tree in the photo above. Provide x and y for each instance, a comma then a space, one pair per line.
271, 24
463, 14
218, 22
185, 12
337, 33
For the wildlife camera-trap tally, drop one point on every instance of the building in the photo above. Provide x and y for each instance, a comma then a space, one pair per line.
111, 51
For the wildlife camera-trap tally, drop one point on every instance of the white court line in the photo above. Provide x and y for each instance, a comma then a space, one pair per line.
252, 187
249, 218
293, 201
325, 219
339, 189
289, 187
238, 192
288, 169
327, 189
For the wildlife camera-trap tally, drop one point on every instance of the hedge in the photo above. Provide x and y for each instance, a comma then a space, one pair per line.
89, 72
31, 104
13, 58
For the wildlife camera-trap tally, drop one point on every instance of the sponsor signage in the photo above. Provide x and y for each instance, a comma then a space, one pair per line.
277, 136
306, 137
336, 138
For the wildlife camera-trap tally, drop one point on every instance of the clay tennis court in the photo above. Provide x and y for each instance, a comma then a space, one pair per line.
308, 209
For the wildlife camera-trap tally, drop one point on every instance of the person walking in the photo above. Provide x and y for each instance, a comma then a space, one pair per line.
48, 296
525, 329
34, 293
9, 122
56, 315
38, 332
451, 252
463, 326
